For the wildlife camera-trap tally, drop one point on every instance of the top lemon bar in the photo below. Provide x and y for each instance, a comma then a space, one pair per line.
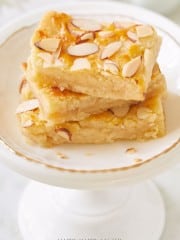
110, 60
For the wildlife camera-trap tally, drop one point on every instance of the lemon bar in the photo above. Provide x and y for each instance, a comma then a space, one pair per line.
61, 105
142, 122
107, 60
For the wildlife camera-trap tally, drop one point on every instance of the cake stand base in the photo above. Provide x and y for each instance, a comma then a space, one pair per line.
51, 213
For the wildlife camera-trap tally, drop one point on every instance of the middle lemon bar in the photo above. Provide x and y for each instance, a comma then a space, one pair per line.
59, 105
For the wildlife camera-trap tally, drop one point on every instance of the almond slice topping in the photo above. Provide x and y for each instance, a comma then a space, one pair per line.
80, 63
87, 36
48, 44
82, 49
110, 49
74, 31
132, 36
28, 105
51, 60
105, 34
56, 63
127, 43
22, 84
57, 53
87, 24
110, 66
144, 31
62, 30
47, 57
64, 133
131, 67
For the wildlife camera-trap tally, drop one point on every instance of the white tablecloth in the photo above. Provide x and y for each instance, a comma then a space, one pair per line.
12, 184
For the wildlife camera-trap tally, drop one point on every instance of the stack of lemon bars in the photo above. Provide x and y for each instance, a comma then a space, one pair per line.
91, 82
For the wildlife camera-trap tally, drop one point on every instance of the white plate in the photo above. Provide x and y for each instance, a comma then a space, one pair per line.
88, 165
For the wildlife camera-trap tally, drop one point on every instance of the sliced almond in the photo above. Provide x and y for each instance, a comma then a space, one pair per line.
87, 36
105, 34
82, 49
143, 113
121, 111
46, 57
80, 63
131, 67
48, 44
77, 33
73, 31
27, 106
64, 133
56, 63
57, 53
27, 124
87, 24
105, 74
63, 30
110, 66
22, 84
127, 43
144, 31
51, 60
110, 49
120, 25
132, 36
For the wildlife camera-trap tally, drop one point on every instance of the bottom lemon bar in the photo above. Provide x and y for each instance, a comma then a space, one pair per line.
143, 121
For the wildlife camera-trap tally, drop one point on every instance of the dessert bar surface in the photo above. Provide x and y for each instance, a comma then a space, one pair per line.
104, 60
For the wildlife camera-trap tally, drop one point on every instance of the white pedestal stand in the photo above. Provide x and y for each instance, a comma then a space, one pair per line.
52, 213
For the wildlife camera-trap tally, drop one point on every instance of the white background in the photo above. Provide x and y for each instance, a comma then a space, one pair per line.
12, 184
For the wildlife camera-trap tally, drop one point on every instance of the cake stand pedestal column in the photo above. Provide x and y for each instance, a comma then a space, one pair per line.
126, 213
